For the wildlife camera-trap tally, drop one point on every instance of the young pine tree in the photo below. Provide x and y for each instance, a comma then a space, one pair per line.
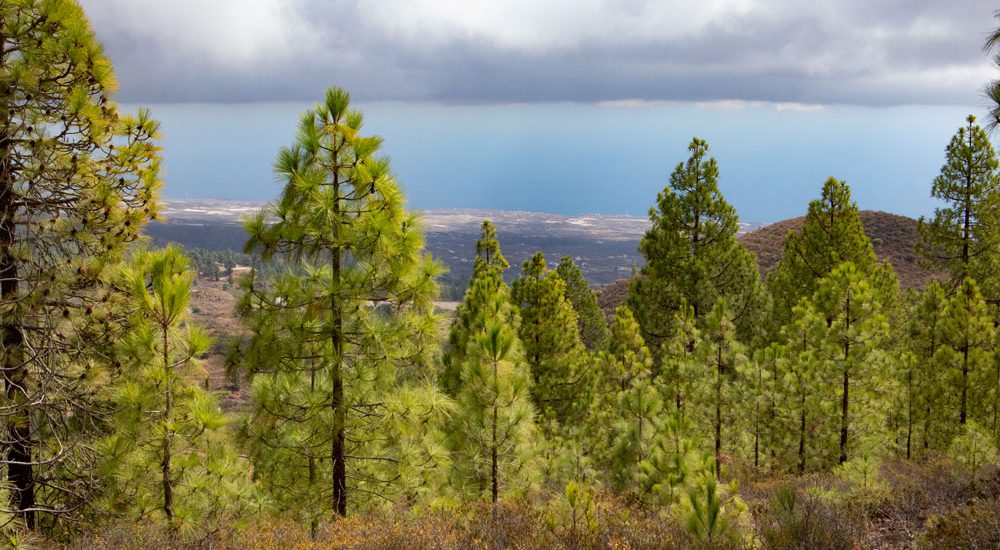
714, 390
551, 341
590, 319
493, 430
170, 456
852, 349
470, 318
616, 369
803, 413
332, 342
831, 235
638, 426
77, 181
926, 379
692, 254
967, 334
963, 238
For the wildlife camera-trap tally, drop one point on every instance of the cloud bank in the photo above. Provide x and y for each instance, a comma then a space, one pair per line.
725, 52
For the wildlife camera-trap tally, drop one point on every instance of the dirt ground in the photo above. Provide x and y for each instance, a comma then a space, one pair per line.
213, 306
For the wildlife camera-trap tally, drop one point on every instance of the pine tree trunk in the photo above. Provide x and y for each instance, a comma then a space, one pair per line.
962, 411
756, 437
909, 412
802, 433
20, 473
168, 488
313, 523
967, 211
337, 403
718, 413
845, 399
494, 470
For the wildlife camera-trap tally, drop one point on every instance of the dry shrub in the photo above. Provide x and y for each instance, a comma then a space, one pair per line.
799, 519
973, 526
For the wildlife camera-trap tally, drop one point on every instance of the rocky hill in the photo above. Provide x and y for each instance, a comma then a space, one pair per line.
892, 236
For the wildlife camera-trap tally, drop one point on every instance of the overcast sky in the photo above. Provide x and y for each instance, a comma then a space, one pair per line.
860, 52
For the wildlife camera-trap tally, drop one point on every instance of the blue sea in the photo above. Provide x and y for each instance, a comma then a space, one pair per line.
573, 158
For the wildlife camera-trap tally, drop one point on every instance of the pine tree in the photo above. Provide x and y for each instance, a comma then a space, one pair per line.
469, 318
831, 235
758, 391
963, 238
714, 389
692, 254
77, 180
551, 340
623, 418
488, 255
967, 335
926, 380
170, 450
802, 380
672, 460
590, 319
332, 342
678, 361
638, 422
852, 348
493, 432
629, 360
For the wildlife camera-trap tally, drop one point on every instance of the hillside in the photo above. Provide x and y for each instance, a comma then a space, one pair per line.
893, 237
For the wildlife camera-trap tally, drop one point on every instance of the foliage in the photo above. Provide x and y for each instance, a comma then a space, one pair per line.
969, 526
590, 319
470, 318
963, 237
967, 336
831, 235
493, 432
170, 459
692, 255
78, 179
974, 448
332, 347
551, 341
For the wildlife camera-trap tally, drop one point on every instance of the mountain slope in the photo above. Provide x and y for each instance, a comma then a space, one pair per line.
893, 237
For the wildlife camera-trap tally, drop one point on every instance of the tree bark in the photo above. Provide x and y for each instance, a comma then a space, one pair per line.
338, 447
168, 488
845, 397
20, 473
718, 413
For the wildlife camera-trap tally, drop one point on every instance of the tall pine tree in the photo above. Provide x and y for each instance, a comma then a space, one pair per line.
852, 348
692, 254
78, 179
170, 451
714, 393
831, 235
927, 379
963, 238
490, 264
967, 333
332, 342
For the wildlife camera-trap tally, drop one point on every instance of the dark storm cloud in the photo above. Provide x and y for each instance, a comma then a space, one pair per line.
860, 52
